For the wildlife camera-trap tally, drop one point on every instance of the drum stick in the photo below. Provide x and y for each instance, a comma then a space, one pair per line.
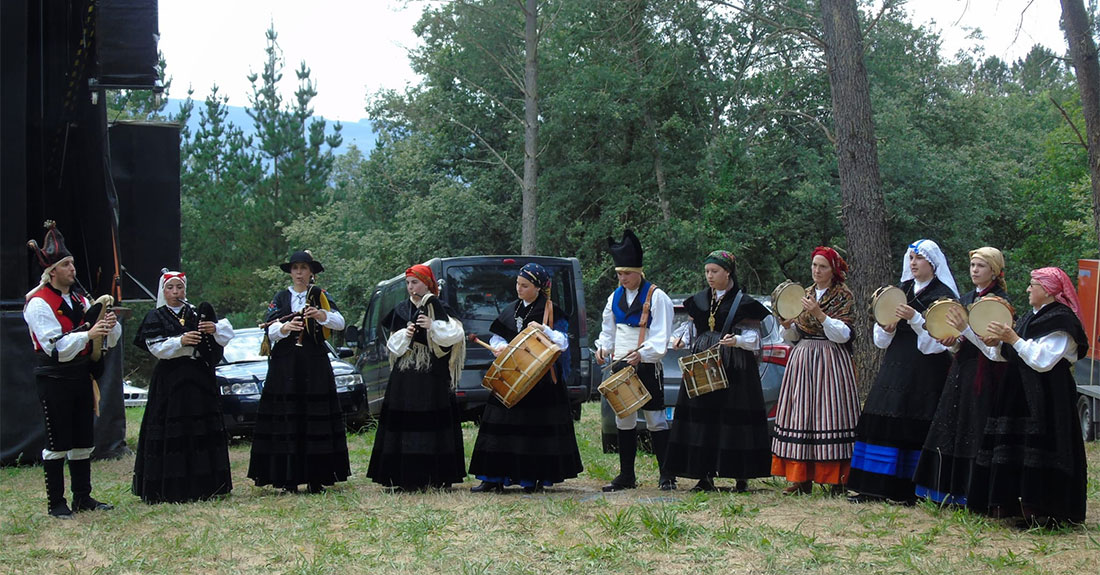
611, 358
473, 337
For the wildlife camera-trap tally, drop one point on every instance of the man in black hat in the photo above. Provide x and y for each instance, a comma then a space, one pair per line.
62, 338
637, 325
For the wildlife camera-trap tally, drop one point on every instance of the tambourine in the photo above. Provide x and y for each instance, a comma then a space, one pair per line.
990, 309
787, 300
935, 318
884, 305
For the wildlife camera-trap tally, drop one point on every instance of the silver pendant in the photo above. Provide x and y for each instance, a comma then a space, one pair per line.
519, 324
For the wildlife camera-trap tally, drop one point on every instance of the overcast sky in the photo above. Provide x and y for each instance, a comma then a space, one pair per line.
355, 47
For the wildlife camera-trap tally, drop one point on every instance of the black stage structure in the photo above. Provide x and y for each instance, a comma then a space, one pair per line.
113, 190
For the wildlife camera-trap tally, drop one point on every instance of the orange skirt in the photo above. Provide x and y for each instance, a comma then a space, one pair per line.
823, 472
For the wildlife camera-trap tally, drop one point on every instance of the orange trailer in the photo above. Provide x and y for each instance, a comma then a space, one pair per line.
1087, 369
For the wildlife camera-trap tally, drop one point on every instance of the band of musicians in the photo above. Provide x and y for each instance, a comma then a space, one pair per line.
974, 404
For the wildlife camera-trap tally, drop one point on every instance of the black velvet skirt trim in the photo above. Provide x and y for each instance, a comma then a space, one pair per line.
419, 438
182, 451
1032, 458
299, 436
723, 433
534, 440
946, 464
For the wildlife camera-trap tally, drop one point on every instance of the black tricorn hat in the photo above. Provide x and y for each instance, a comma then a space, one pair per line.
53, 247
305, 257
628, 252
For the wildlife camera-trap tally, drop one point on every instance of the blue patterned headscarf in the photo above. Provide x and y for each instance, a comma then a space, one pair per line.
538, 276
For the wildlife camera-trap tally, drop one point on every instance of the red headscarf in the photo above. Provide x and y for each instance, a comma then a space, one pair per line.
840, 267
1056, 283
425, 275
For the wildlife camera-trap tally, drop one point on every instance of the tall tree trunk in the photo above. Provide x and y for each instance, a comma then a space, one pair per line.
1082, 49
530, 130
863, 210
637, 13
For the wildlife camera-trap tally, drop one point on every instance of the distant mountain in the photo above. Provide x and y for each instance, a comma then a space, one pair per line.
360, 134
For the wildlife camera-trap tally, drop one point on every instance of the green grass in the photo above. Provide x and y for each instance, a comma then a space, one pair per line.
359, 527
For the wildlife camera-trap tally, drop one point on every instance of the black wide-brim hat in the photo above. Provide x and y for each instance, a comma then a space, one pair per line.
304, 257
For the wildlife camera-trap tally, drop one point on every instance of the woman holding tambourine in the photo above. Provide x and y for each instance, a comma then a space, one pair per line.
723, 433
1031, 463
299, 437
903, 399
818, 408
945, 473
532, 443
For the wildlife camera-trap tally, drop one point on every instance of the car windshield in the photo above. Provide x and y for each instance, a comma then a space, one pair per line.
245, 346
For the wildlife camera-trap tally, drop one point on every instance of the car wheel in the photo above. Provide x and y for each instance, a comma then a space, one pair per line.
610, 443
1084, 415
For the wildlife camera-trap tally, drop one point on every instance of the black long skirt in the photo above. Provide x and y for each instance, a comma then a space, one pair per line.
1032, 459
723, 433
945, 471
182, 451
531, 443
896, 418
299, 437
419, 439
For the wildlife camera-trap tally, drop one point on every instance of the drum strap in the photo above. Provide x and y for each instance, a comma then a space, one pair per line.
644, 321
733, 312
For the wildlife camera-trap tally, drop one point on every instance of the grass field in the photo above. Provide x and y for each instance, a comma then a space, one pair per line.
359, 527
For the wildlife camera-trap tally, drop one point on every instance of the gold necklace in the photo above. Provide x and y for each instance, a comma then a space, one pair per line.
179, 316
715, 301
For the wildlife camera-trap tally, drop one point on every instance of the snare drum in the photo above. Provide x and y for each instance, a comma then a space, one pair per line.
703, 373
787, 300
987, 310
625, 392
529, 356
935, 318
884, 304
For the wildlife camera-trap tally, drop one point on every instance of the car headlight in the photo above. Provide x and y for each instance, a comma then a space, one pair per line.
345, 382
246, 388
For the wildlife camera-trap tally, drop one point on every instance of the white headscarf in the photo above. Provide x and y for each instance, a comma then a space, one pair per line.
931, 252
166, 275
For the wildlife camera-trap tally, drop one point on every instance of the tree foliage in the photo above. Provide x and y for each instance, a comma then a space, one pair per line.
238, 192
699, 126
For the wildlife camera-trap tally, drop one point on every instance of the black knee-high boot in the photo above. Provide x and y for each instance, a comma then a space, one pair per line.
80, 471
660, 449
55, 488
628, 450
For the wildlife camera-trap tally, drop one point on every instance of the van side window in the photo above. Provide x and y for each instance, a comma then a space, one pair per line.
392, 295
370, 323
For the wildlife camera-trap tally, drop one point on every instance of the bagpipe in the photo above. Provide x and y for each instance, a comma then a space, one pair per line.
315, 297
93, 315
208, 350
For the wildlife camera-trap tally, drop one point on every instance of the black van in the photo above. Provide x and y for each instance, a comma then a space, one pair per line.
477, 288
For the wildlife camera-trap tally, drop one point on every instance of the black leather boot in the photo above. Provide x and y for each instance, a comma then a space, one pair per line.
628, 450
488, 487
80, 471
667, 482
55, 489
